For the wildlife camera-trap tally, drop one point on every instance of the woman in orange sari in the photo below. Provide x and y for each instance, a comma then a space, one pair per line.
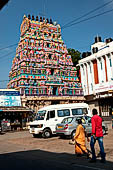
80, 146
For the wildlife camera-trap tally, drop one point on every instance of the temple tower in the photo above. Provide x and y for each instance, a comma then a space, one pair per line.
42, 66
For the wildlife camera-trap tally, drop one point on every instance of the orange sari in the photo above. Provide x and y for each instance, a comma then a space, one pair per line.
80, 146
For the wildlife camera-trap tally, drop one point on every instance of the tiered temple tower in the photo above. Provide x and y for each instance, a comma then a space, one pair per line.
42, 66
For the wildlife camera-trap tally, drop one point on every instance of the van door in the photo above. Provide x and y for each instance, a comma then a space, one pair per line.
51, 120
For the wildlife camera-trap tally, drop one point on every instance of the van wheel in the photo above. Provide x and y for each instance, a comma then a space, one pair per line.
46, 133
73, 133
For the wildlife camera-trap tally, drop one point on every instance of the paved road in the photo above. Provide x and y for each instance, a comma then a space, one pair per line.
36, 159
20, 151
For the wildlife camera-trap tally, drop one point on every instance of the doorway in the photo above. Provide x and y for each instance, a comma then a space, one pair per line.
55, 91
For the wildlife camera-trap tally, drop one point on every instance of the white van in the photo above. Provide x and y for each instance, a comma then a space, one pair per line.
47, 117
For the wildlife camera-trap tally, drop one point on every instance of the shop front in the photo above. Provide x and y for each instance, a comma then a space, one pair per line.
103, 102
15, 118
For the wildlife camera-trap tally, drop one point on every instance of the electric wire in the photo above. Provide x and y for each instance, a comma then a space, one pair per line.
87, 13
5, 55
8, 46
72, 25
89, 18
66, 25
3, 80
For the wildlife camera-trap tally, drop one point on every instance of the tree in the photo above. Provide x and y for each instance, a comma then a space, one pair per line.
75, 55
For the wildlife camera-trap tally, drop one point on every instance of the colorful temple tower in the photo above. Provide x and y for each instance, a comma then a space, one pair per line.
42, 66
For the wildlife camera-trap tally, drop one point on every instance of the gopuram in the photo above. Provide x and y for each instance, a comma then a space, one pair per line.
42, 70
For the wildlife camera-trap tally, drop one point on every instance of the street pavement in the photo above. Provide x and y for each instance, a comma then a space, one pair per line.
19, 150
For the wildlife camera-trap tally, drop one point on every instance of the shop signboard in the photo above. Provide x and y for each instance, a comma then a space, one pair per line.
10, 98
103, 87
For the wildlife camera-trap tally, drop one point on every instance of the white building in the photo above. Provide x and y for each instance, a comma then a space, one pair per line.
96, 71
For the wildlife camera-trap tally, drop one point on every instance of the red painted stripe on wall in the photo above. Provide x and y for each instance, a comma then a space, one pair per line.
95, 72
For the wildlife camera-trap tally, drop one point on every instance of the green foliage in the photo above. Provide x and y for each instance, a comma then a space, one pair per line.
75, 55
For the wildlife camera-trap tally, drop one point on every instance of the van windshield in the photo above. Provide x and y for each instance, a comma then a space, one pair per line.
40, 115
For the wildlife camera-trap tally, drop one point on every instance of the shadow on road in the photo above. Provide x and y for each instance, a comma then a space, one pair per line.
43, 160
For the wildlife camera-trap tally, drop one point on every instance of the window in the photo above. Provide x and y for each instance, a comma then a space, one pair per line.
62, 113
47, 44
43, 71
40, 115
52, 71
83, 71
82, 118
85, 111
51, 114
49, 56
39, 44
39, 71
26, 91
91, 86
70, 92
110, 62
67, 120
100, 63
53, 35
79, 111
90, 68
35, 33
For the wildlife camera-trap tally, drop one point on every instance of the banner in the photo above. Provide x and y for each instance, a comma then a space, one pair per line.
10, 98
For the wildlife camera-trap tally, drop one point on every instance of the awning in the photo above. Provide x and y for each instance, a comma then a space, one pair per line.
15, 109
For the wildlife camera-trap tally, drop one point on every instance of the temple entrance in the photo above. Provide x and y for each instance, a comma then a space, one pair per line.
55, 91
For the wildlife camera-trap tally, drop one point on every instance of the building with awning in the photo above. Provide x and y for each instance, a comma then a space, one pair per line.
11, 110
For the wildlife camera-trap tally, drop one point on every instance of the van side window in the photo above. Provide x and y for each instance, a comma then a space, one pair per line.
51, 114
85, 111
78, 111
62, 113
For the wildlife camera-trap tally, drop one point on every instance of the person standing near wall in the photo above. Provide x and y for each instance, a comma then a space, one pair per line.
97, 134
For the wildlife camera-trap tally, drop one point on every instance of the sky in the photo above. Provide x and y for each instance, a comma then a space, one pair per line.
79, 36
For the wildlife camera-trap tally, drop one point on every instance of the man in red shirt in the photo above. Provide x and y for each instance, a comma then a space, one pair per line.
97, 134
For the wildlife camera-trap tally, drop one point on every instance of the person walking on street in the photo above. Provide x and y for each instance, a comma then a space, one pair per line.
97, 134
80, 146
